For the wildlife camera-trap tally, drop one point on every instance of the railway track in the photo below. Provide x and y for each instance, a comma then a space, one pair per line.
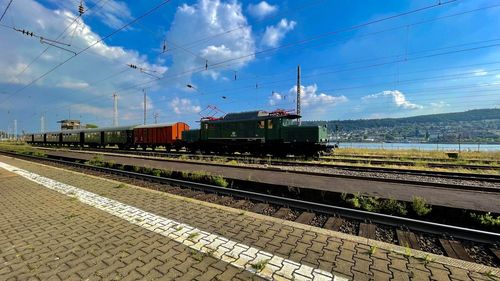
457, 242
222, 160
412, 158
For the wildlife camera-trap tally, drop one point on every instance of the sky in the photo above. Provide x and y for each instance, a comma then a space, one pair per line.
358, 59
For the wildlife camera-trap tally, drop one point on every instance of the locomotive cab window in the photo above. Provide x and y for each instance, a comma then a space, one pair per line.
261, 124
270, 124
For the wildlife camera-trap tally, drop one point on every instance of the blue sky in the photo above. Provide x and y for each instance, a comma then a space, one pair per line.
443, 58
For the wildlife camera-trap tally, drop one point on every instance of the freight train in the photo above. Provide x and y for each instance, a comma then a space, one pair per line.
255, 132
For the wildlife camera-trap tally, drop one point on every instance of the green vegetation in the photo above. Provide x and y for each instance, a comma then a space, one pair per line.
392, 206
373, 250
420, 206
259, 266
192, 236
487, 220
121, 185
97, 160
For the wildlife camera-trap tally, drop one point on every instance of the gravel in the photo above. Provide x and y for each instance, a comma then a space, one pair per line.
393, 176
385, 234
430, 243
480, 253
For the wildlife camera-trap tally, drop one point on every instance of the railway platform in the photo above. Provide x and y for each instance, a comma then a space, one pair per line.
57, 224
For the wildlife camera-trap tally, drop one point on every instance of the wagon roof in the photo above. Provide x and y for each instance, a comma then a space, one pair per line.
157, 125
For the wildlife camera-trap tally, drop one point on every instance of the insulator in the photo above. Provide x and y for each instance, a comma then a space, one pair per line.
164, 46
206, 64
235, 76
80, 10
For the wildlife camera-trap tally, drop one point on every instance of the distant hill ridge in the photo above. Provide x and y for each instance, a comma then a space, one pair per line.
478, 126
470, 115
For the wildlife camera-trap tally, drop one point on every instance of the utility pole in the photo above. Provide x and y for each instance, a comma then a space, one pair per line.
15, 129
298, 94
115, 110
156, 115
145, 108
42, 123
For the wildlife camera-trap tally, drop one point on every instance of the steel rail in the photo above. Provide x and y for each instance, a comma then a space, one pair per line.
395, 221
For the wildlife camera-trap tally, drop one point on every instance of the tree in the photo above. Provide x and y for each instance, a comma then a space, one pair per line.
91, 126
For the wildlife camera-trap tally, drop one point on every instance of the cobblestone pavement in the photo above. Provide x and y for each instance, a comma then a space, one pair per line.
47, 234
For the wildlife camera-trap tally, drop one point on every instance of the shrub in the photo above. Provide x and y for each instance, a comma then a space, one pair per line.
96, 161
420, 206
486, 220
370, 204
156, 172
393, 207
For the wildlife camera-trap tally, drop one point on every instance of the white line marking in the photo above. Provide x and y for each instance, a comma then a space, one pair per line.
234, 253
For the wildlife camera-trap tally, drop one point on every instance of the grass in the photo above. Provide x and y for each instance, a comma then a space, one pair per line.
373, 250
192, 236
121, 185
420, 206
259, 266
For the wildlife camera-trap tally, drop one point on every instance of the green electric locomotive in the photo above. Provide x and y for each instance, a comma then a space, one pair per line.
257, 132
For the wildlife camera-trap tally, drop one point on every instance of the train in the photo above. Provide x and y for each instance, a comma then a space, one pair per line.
256, 132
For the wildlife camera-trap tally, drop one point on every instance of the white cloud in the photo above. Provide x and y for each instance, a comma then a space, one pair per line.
275, 99
73, 84
80, 79
480, 72
275, 33
309, 97
210, 19
183, 106
397, 97
439, 104
262, 9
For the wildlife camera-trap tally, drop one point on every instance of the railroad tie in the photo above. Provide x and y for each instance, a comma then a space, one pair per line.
454, 249
333, 223
408, 239
305, 218
259, 208
367, 230
282, 213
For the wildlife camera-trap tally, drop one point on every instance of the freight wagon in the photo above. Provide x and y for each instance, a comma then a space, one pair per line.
159, 135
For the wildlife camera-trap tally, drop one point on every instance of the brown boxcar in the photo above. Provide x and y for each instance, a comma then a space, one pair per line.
156, 135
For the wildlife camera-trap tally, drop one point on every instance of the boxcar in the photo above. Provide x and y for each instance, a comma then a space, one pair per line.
166, 135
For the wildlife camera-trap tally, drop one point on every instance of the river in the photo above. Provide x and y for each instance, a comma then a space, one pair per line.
422, 146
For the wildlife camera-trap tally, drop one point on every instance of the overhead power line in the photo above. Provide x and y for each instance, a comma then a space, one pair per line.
5, 11
90, 46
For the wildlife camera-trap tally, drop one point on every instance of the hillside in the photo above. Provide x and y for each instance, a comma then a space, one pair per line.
479, 125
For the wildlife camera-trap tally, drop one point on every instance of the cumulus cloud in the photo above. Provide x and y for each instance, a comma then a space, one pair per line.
275, 33
183, 106
261, 10
309, 96
210, 19
82, 78
397, 97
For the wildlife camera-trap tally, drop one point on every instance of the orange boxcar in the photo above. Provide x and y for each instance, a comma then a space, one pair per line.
159, 134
